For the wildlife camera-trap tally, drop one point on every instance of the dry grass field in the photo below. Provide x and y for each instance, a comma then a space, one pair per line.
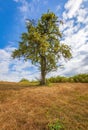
26, 107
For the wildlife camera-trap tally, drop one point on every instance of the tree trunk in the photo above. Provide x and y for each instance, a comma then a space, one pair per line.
43, 70
43, 80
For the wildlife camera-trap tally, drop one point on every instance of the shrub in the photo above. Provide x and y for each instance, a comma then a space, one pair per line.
83, 78
70, 79
55, 126
58, 79
24, 80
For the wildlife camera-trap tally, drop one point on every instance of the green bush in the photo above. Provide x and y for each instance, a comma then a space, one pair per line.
24, 80
55, 126
83, 78
80, 78
71, 80
58, 79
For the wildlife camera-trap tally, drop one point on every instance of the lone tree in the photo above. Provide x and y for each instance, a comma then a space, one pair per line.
41, 44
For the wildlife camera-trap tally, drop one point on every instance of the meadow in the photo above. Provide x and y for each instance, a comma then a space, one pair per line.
60, 106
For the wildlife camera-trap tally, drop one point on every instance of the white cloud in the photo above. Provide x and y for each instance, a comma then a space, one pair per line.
24, 9
72, 7
27, 8
14, 70
82, 15
75, 32
58, 8
4, 61
24, 6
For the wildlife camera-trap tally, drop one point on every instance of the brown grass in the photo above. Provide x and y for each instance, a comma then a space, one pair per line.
24, 107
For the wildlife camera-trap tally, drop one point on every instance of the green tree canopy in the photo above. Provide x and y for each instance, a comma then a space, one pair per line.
41, 44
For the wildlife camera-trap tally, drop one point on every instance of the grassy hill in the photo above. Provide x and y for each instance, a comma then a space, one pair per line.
63, 106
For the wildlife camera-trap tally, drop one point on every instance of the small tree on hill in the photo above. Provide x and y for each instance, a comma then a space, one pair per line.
41, 44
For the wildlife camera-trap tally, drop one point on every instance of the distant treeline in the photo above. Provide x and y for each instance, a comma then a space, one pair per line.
80, 78
83, 78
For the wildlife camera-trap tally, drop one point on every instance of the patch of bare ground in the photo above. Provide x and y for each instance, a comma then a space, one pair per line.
32, 108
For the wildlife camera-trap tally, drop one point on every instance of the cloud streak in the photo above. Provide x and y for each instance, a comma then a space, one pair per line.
72, 7
14, 70
75, 34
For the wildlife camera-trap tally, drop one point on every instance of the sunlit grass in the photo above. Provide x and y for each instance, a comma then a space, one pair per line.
30, 107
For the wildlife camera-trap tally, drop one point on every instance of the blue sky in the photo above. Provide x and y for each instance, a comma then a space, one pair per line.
13, 14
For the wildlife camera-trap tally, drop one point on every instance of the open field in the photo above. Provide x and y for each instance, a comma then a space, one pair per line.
26, 107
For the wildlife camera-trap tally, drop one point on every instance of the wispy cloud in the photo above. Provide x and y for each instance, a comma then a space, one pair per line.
14, 70
58, 8
24, 8
75, 34
72, 7
27, 8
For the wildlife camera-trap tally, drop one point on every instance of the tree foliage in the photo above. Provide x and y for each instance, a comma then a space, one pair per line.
41, 44
79, 78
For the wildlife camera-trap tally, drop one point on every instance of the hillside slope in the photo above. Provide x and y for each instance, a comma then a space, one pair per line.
24, 107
